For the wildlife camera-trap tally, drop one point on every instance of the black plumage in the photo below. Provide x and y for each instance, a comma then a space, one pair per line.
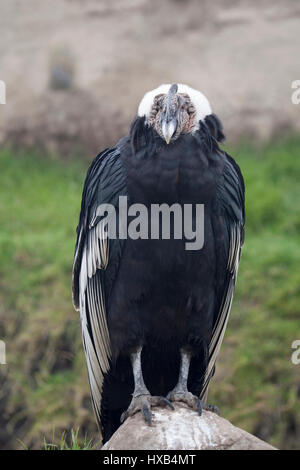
155, 293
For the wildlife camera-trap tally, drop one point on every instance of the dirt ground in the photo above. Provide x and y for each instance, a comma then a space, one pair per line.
243, 55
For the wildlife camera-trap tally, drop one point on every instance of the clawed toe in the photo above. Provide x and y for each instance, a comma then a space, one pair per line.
186, 397
213, 409
144, 403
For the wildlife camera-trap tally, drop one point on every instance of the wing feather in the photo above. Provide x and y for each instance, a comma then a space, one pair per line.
104, 183
231, 208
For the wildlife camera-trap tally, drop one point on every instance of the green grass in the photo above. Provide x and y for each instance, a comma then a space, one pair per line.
261, 390
66, 442
72, 442
256, 385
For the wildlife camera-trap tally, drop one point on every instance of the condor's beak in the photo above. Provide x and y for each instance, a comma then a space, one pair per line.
168, 129
169, 122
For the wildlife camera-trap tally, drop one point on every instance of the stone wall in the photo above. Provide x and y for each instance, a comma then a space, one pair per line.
75, 71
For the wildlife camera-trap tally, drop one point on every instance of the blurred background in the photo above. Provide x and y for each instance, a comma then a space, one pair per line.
74, 73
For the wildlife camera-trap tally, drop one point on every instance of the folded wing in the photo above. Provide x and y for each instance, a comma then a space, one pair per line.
228, 226
96, 264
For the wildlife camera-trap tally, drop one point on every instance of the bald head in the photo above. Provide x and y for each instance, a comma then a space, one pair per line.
173, 110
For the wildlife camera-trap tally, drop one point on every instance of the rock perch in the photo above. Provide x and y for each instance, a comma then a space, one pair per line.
182, 429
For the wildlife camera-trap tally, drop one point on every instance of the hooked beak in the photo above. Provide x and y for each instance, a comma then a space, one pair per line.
168, 129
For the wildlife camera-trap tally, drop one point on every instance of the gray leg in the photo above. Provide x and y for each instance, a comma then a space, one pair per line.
185, 359
139, 384
181, 393
141, 398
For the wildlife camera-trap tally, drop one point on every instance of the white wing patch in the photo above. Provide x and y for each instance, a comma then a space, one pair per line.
200, 101
221, 323
93, 313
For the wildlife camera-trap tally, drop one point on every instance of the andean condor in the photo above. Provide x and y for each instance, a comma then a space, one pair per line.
153, 313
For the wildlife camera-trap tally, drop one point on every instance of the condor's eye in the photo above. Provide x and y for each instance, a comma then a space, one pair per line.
182, 108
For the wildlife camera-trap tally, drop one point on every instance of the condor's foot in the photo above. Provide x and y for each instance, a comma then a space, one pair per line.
144, 403
213, 409
187, 397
